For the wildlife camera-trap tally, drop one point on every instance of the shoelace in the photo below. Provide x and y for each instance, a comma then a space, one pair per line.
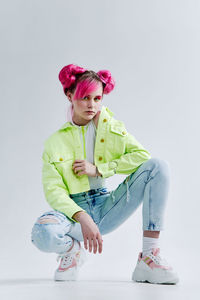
70, 253
67, 255
67, 260
158, 258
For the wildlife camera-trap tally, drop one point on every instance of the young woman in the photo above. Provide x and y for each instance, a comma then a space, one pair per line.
90, 147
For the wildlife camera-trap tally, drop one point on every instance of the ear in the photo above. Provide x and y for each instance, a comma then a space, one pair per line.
69, 96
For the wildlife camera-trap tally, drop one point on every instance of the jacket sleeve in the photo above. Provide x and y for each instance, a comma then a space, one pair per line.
55, 190
135, 155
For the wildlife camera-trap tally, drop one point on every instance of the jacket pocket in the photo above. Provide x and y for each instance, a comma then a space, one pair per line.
116, 140
118, 130
59, 159
63, 164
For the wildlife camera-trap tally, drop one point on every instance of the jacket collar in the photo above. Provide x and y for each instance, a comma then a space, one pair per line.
105, 113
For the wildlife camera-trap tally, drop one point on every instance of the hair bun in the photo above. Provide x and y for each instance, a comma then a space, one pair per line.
107, 79
67, 75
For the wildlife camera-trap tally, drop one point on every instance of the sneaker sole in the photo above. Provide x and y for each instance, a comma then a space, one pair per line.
141, 276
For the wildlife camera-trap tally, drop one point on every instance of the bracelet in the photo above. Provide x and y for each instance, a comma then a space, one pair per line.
113, 166
97, 172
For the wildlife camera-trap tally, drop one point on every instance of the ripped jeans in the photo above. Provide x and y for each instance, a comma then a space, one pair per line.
149, 185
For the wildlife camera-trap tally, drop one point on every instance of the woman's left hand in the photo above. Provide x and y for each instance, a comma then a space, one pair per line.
81, 167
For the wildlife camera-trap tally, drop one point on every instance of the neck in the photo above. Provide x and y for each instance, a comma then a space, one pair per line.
80, 123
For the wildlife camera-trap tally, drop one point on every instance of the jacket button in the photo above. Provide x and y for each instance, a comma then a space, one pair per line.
60, 159
123, 132
104, 120
100, 157
102, 140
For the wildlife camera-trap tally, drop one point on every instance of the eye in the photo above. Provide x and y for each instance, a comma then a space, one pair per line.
86, 97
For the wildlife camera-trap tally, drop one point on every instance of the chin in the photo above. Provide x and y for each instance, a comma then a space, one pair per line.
91, 116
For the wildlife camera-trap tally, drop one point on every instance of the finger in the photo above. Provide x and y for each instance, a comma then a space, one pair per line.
81, 173
94, 245
77, 164
85, 243
75, 167
78, 169
81, 168
78, 161
90, 245
100, 243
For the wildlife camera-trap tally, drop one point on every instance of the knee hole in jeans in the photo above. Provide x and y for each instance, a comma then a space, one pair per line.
47, 219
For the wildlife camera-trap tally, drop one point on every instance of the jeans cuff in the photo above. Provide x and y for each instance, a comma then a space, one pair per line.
153, 227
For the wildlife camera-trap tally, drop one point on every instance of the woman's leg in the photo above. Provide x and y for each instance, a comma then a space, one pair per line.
54, 232
150, 185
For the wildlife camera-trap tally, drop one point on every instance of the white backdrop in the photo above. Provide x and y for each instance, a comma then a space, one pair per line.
152, 50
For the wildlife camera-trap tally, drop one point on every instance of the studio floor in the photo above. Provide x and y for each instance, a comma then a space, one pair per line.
46, 288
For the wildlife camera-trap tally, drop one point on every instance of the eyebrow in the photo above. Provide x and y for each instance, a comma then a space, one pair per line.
99, 96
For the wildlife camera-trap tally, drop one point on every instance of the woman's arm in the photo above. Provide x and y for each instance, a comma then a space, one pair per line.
135, 155
57, 196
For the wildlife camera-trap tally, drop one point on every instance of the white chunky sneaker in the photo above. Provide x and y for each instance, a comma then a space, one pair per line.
154, 269
70, 263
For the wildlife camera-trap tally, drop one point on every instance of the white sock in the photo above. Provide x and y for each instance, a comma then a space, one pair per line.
148, 244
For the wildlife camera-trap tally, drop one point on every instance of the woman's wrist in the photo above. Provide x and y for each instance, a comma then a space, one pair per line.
78, 216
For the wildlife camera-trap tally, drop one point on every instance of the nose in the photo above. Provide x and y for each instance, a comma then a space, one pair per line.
91, 103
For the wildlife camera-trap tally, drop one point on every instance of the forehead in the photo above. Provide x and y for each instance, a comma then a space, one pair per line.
97, 92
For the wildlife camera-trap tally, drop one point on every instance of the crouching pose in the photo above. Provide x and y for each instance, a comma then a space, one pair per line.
90, 147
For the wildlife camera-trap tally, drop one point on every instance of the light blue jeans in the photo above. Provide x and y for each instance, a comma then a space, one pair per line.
109, 209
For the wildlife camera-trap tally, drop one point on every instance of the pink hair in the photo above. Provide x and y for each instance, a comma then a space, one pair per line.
85, 87
68, 76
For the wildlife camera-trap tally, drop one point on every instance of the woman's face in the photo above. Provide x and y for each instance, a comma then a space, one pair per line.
91, 102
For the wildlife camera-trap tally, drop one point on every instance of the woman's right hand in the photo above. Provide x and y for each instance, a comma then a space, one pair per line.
90, 232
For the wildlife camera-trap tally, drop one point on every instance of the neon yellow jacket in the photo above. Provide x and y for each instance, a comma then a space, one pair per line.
116, 152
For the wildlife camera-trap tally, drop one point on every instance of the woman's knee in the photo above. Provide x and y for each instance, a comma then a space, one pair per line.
45, 233
42, 237
161, 165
